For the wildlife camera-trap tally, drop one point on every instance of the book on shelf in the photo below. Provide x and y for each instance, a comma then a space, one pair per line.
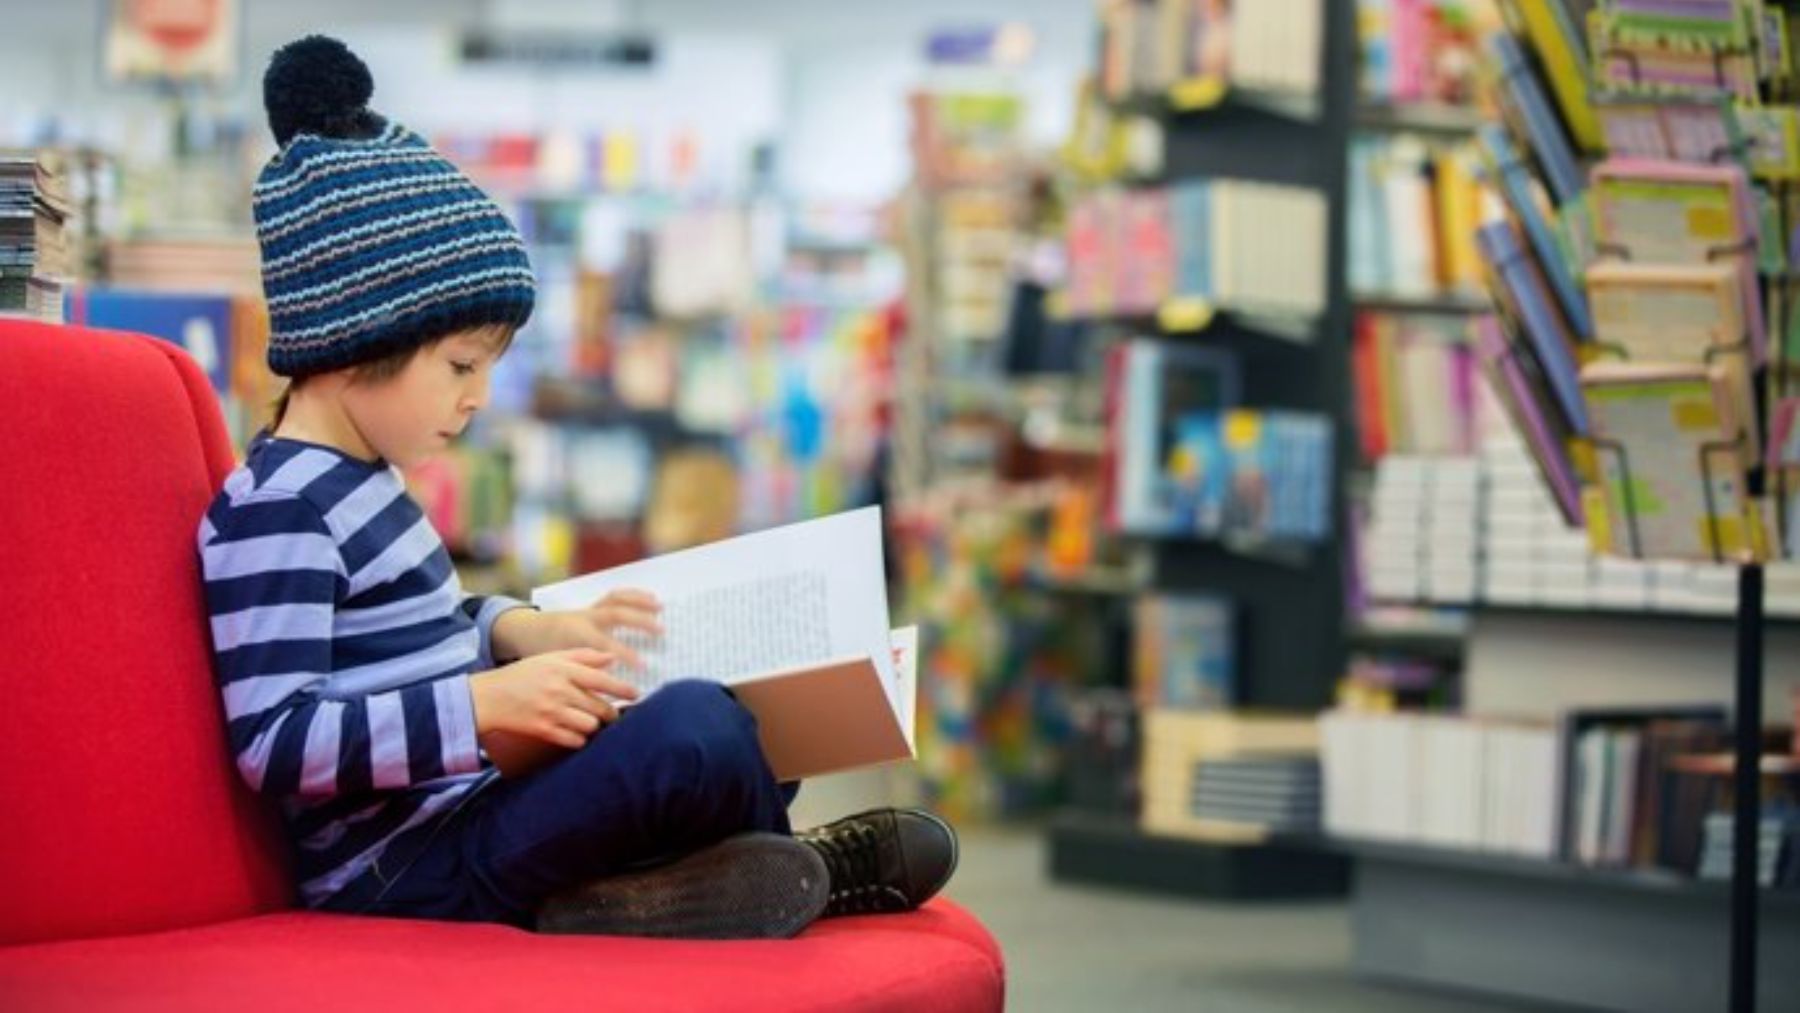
1421, 51
1672, 457
1677, 313
1230, 777
1150, 386
1184, 651
1527, 107
1421, 539
36, 257
1239, 245
1673, 213
1414, 208
1624, 803
1685, 50
794, 621
1155, 46
1414, 385
1256, 475
1539, 222
1441, 780
1519, 387
1557, 34
1524, 303
1280, 794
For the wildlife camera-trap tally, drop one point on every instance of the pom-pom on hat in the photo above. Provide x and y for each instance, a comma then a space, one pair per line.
372, 242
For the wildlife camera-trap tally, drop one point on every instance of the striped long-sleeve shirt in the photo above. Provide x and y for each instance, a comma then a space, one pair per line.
342, 645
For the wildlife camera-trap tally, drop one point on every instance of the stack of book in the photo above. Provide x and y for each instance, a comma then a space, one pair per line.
1416, 546
186, 263
35, 257
1441, 780
1238, 245
1422, 543
1249, 770
1279, 793
1414, 208
1153, 46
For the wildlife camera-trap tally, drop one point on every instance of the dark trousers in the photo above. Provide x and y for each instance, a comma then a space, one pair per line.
675, 773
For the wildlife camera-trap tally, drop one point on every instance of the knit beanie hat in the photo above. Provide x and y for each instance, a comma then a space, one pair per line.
371, 241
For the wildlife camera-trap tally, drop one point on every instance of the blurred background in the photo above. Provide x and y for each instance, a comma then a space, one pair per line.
1265, 664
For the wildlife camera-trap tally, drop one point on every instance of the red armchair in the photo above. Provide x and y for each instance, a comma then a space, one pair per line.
134, 869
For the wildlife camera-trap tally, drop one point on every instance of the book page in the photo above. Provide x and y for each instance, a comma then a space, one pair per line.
784, 598
759, 625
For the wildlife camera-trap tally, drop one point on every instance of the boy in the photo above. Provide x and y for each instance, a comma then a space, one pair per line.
379, 704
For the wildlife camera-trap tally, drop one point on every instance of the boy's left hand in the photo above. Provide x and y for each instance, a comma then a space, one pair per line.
530, 633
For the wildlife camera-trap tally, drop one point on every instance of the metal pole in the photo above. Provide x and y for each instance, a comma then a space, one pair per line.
1746, 823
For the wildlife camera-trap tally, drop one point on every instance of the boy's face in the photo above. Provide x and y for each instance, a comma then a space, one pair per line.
428, 403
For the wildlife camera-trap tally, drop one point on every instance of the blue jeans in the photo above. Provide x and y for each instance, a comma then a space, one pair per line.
675, 773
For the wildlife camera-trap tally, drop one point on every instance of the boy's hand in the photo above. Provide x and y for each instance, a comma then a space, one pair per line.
530, 633
554, 698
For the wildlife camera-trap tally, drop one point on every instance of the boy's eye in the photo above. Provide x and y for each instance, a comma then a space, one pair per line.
463, 368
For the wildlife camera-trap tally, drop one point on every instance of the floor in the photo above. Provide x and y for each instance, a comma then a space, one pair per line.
1083, 949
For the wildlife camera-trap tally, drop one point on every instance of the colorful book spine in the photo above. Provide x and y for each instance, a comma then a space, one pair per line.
1560, 43
1521, 90
1530, 413
1519, 190
1519, 289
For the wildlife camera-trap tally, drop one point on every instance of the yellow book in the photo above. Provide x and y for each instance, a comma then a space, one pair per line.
1548, 32
1458, 214
1387, 365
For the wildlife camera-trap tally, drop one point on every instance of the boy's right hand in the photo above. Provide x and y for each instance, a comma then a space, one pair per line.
554, 698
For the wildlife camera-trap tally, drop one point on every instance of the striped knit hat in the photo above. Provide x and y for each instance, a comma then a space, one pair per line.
371, 241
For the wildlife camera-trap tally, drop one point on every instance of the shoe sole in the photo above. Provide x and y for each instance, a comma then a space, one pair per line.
751, 886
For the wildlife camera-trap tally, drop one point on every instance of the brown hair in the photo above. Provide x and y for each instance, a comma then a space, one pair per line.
386, 367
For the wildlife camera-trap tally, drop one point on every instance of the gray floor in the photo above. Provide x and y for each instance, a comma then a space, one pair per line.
1081, 949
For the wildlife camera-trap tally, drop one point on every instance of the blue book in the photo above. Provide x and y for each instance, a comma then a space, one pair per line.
1521, 89
1185, 651
1519, 292
1515, 181
1190, 209
201, 324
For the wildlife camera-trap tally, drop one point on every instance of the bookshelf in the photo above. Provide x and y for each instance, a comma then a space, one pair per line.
1419, 117
1287, 362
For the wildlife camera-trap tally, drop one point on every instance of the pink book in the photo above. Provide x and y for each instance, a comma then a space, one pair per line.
1524, 402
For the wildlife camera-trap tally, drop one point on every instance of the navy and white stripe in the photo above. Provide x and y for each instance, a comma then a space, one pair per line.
374, 244
343, 645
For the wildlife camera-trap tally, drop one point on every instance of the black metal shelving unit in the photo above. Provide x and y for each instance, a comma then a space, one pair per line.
1291, 634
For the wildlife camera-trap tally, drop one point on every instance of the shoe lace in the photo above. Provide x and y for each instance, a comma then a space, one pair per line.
852, 856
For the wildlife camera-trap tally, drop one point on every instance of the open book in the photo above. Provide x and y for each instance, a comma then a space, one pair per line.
794, 620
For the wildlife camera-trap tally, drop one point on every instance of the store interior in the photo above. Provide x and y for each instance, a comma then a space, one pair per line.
1341, 456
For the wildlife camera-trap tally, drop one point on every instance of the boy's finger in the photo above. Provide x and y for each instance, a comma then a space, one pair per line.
634, 596
593, 657
637, 619
625, 655
582, 721
611, 685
